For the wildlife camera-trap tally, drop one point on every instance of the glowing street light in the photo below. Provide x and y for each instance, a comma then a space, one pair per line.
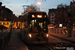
39, 5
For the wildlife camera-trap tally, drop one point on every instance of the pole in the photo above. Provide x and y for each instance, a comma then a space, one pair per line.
39, 7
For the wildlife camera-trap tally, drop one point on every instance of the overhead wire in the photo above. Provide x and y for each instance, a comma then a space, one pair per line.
43, 2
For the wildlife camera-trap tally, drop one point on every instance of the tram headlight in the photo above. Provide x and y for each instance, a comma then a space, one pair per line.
39, 16
30, 35
47, 35
33, 16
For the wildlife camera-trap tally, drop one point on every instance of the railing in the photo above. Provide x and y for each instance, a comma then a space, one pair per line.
4, 39
61, 31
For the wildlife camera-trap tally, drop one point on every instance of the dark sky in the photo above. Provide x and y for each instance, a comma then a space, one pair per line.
17, 5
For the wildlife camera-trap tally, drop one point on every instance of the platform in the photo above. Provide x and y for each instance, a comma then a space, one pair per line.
15, 42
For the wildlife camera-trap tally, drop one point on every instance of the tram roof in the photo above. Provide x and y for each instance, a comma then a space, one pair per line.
34, 12
37, 11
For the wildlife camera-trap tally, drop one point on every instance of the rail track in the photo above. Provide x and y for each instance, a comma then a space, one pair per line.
61, 45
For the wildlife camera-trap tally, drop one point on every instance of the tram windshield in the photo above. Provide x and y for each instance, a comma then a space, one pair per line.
35, 23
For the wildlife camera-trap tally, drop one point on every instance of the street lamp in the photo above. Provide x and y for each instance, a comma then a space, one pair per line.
39, 5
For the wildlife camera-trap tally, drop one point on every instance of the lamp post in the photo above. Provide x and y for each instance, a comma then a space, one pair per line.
39, 5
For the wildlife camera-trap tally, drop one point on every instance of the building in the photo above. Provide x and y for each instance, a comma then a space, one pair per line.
51, 15
72, 11
6, 14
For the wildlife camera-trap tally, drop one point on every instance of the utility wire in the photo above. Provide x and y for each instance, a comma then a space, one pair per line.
43, 2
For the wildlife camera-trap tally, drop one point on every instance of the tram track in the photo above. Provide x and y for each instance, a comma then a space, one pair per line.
72, 42
49, 46
53, 46
37, 47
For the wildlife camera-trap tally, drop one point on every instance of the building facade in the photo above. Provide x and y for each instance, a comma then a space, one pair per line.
51, 15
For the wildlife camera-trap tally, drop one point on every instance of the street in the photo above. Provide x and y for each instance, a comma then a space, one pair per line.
16, 43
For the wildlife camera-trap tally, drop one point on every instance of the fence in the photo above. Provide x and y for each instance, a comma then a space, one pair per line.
61, 31
4, 39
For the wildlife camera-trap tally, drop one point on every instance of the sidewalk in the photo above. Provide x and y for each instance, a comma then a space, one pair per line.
62, 36
15, 43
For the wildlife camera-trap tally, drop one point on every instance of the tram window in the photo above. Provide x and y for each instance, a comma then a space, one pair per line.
22, 23
30, 25
41, 25
44, 22
32, 21
35, 21
2, 23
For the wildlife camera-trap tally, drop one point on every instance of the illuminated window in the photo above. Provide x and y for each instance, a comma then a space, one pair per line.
32, 23
35, 21
39, 16
22, 23
41, 25
44, 22
2, 23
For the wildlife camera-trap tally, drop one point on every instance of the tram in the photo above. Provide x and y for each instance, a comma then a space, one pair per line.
32, 21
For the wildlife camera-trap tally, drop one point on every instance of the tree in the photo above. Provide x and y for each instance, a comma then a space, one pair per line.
61, 14
32, 7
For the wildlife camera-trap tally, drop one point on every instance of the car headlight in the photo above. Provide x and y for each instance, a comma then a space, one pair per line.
47, 35
30, 35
